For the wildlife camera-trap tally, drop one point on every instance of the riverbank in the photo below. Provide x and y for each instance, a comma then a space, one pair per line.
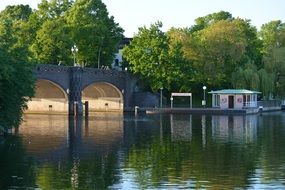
208, 111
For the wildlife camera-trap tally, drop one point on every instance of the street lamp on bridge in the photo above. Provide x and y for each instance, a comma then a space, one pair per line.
74, 50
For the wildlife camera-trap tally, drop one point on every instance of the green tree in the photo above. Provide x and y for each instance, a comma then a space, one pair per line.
16, 12
246, 77
253, 43
272, 35
273, 38
60, 24
52, 44
274, 63
217, 51
183, 80
156, 57
94, 32
15, 30
16, 77
16, 86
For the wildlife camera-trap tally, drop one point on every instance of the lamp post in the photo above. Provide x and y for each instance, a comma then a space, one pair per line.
204, 99
99, 54
171, 102
74, 50
100, 46
161, 97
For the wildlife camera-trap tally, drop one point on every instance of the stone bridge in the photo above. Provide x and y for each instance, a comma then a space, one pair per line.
66, 89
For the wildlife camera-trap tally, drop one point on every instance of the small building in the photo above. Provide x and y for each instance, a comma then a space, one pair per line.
234, 98
117, 62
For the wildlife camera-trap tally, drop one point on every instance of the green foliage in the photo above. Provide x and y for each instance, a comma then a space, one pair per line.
16, 13
13, 151
157, 57
272, 35
14, 30
61, 23
253, 43
218, 51
274, 63
95, 33
52, 44
16, 86
16, 77
266, 82
246, 77
48, 33
204, 22
215, 52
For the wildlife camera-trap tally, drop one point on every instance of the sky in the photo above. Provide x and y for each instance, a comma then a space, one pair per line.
132, 14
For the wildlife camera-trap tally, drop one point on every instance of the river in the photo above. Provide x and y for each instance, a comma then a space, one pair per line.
117, 151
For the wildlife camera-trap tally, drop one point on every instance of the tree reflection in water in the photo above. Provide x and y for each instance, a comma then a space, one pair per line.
16, 166
146, 152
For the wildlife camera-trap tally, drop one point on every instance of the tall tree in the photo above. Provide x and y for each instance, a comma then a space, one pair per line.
52, 43
216, 52
94, 32
16, 77
272, 35
156, 57
253, 43
273, 38
85, 23
15, 29
16, 84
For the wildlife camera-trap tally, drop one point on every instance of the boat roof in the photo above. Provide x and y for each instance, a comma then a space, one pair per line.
234, 91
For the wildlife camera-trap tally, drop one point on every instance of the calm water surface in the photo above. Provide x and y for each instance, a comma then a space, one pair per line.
115, 151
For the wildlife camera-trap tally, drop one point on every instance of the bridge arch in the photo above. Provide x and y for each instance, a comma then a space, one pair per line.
49, 97
103, 96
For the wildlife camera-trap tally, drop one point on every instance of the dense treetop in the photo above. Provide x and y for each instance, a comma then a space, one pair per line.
49, 32
219, 51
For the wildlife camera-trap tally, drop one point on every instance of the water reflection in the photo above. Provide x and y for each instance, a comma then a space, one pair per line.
16, 166
118, 151
237, 129
74, 152
181, 127
54, 134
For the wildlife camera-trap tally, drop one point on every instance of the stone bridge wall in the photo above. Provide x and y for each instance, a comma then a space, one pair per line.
73, 80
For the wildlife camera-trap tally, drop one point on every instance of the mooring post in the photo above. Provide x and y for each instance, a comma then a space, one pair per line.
86, 103
136, 110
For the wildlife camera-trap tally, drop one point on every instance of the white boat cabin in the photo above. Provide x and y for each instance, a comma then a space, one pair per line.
234, 98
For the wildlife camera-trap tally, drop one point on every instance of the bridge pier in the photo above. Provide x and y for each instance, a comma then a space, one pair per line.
75, 96
75, 108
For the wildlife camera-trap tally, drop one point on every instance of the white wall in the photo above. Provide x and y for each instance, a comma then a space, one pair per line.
224, 101
47, 105
105, 104
238, 102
